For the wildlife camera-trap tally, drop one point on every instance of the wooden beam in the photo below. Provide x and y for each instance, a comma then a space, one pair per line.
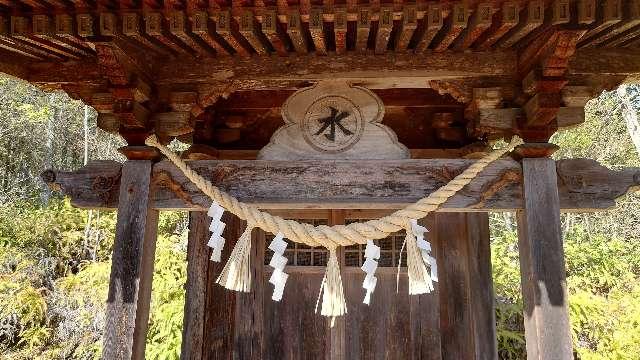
295, 32
542, 108
465, 287
340, 30
43, 28
131, 266
584, 184
409, 26
272, 29
551, 52
434, 22
132, 28
362, 29
193, 337
249, 29
625, 62
631, 19
531, 18
508, 17
155, 27
609, 15
385, 25
454, 25
316, 27
498, 122
393, 70
179, 28
226, 27
22, 30
480, 21
542, 267
204, 28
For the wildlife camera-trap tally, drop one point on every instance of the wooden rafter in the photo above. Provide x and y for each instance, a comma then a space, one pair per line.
508, 17
409, 26
434, 22
340, 29
455, 23
316, 28
362, 29
295, 32
203, 27
385, 25
479, 22
531, 17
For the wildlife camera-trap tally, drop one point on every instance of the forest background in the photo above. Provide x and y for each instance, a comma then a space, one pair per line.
55, 259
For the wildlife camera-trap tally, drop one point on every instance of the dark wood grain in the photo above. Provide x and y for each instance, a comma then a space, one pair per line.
220, 316
129, 297
196, 286
456, 322
542, 267
481, 287
584, 185
467, 317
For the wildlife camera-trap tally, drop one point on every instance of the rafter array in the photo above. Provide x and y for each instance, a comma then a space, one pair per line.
57, 30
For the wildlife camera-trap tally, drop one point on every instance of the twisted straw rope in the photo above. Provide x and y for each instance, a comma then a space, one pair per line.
331, 237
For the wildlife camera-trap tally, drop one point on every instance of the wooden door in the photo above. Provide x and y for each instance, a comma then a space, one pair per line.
454, 322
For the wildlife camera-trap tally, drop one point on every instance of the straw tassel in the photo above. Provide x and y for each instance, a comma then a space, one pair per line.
333, 303
419, 278
236, 274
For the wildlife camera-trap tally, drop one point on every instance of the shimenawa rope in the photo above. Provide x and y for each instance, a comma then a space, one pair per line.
237, 276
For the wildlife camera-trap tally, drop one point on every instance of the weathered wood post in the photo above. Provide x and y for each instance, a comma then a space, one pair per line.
132, 264
542, 267
195, 289
467, 315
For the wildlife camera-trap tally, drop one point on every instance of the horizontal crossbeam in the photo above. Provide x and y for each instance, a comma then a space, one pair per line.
584, 185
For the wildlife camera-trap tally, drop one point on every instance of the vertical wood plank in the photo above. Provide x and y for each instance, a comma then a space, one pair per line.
481, 287
425, 310
337, 332
466, 290
542, 268
129, 297
194, 307
249, 306
455, 310
220, 316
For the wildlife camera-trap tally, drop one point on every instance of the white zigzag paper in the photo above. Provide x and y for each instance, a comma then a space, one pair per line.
371, 254
216, 241
278, 262
425, 252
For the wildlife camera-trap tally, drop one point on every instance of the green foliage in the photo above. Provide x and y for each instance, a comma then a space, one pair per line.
54, 259
603, 263
167, 303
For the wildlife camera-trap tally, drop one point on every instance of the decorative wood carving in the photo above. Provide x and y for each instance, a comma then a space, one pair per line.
333, 120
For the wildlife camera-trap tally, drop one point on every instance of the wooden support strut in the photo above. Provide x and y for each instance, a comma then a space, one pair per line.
132, 265
542, 267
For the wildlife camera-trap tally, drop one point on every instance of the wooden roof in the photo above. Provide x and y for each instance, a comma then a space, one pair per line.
66, 29
503, 67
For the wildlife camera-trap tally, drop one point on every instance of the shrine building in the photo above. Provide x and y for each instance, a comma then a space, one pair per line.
337, 151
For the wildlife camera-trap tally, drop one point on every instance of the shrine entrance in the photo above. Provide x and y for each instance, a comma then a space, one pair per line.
456, 321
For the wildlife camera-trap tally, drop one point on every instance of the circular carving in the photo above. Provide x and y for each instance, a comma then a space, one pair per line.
332, 124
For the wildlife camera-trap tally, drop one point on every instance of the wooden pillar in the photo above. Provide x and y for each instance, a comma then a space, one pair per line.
131, 265
195, 289
467, 316
546, 316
